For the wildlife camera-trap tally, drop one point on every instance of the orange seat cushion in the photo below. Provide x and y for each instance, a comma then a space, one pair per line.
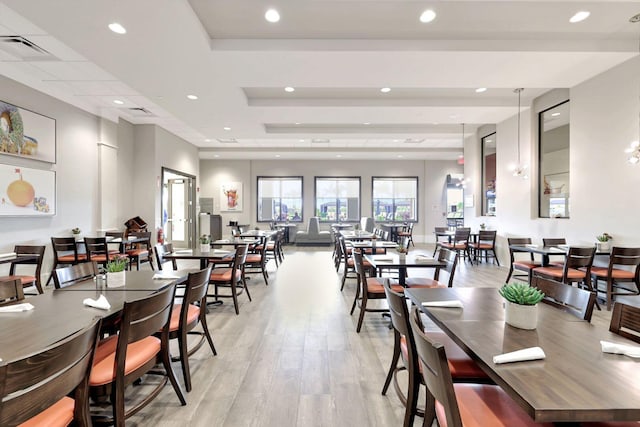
71, 258
460, 364
26, 280
224, 275
525, 265
557, 272
375, 286
481, 245
57, 415
254, 258
487, 405
138, 353
616, 273
454, 245
423, 282
140, 253
193, 312
365, 263
378, 251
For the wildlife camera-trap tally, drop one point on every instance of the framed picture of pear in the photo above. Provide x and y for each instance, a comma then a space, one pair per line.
26, 134
27, 191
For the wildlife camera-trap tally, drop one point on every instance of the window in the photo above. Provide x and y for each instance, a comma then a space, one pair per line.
338, 199
395, 199
554, 162
280, 198
489, 175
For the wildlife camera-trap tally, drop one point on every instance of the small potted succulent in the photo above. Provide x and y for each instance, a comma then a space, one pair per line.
115, 270
205, 241
76, 232
483, 226
602, 243
521, 307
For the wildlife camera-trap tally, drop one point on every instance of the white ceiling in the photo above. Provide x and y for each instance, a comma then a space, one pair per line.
336, 53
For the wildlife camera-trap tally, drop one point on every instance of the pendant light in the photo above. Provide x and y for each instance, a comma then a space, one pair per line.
520, 170
634, 147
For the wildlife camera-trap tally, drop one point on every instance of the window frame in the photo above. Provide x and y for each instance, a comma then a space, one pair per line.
484, 201
397, 178
279, 178
337, 178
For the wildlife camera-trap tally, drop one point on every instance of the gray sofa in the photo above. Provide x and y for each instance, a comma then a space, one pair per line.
313, 236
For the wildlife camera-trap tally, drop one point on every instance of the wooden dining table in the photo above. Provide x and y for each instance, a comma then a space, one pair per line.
575, 382
546, 251
203, 257
402, 263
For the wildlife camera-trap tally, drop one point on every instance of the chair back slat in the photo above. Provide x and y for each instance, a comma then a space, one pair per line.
580, 257
160, 250
450, 258
11, 291
95, 246
624, 256
462, 235
64, 246
399, 312
487, 237
66, 276
145, 316
625, 321
576, 301
554, 241
196, 289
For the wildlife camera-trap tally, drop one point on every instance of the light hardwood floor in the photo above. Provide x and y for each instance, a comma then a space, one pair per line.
292, 357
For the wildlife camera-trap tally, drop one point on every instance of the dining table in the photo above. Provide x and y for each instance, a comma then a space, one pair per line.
574, 382
402, 262
393, 228
356, 235
204, 257
547, 251
137, 280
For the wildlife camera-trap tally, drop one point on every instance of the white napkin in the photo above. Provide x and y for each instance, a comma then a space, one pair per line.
166, 276
531, 353
16, 308
423, 258
384, 258
220, 251
616, 348
100, 303
8, 255
448, 304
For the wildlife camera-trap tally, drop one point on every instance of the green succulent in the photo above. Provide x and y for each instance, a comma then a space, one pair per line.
520, 293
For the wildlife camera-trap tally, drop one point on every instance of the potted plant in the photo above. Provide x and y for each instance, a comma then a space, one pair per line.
602, 243
483, 226
115, 269
521, 308
205, 241
76, 232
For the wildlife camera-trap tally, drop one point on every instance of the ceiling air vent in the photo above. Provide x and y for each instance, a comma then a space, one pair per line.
24, 49
320, 141
227, 140
413, 141
139, 112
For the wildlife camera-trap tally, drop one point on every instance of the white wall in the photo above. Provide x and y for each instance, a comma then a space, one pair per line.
431, 180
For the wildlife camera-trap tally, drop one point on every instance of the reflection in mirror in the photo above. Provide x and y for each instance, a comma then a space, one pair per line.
553, 186
489, 175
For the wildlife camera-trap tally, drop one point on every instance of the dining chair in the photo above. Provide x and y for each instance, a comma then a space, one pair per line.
160, 250
486, 244
367, 288
187, 315
140, 252
576, 268
440, 239
520, 264
125, 357
11, 292
65, 252
461, 404
554, 241
49, 388
407, 231
232, 278
624, 267
110, 235
98, 251
27, 280
67, 276
256, 262
576, 301
462, 367
460, 243
450, 258
625, 321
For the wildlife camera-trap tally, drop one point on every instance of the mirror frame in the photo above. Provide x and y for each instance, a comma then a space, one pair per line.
485, 201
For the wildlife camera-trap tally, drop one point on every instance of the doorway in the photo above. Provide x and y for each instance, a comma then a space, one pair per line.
178, 208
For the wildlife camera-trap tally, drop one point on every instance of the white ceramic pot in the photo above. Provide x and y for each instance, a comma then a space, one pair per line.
602, 246
521, 316
115, 280
205, 247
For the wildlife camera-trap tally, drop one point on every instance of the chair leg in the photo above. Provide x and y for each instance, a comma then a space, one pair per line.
394, 362
355, 298
205, 328
166, 362
246, 288
235, 297
363, 309
509, 274
265, 275
184, 360
412, 400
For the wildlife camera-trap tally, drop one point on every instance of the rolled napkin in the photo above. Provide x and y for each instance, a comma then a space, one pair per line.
100, 303
8, 255
617, 348
16, 308
447, 304
531, 353
220, 251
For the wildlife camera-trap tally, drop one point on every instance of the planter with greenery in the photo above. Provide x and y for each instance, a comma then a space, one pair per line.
76, 232
521, 307
115, 270
602, 243
205, 243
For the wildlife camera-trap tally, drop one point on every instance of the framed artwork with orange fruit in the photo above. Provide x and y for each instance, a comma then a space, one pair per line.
27, 134
27, 191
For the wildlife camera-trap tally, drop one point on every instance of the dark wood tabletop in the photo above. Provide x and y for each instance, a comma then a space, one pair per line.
17, 258
204, 257
400, 263
138, 281
575, 382
546, 251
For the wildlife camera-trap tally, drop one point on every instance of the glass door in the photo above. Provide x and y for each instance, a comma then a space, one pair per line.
178, 209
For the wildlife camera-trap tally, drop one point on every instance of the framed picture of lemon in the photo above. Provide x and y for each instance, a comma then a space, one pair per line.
27, 191
24, 133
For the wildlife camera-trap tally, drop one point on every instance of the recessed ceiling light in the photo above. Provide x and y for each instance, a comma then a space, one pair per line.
192, 97
216, 155
400, 156
301, 140
396, 140
489, 140
272, 15
427, 16
579, 16
555, 114
453, 116
297, 123
366, 123
207, 140
277, 155
226, 128
338, 155
117, 28
481, 89
385, 90
289, 89
117, 101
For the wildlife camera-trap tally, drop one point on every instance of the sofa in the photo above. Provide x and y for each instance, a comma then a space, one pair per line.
313, 236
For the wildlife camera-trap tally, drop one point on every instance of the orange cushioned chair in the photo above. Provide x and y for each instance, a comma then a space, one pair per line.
49, 388
140, 252
27, 279
232, 278
460, 243
65, 252
447, 256
11, 292
629, 260
526, 265
256, 262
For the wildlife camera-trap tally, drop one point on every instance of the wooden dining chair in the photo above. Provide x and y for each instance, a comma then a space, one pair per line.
407, 231
65, 252
554, 241
125, 357
232, 278
486, 245
256, 262
576, 268
67, 276
460, 243
450, 259
11, 292
187, 315
461, 404
98, 251
440, 239
623, 268
521, 264
140, 252
32, 279
625, 321
576, 301
49, 388
160, 250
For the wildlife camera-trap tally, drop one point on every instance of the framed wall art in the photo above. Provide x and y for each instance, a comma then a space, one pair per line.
27, 191
26, 134
231, 197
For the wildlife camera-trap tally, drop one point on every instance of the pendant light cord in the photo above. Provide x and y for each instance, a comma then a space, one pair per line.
519, 91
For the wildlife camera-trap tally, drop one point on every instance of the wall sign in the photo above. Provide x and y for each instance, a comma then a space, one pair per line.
27, 191
26, 134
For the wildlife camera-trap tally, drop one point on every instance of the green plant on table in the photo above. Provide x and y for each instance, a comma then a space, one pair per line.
604, 237
520, 293
116, 264
205, 239
76, 230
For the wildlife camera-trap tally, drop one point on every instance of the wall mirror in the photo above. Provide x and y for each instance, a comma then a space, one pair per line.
553, 162
489, 175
